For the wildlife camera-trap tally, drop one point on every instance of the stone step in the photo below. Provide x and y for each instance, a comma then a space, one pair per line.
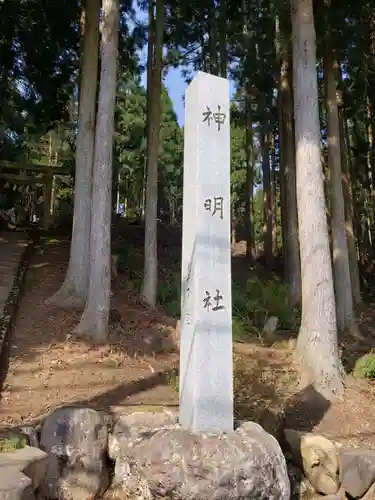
12, 247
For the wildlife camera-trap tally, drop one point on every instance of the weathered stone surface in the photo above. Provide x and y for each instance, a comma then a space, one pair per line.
318, 457
206, 361
15, 486
129, 427
30, 461
76, 440
165, 461
357, 470
270, 328
338, 496
370, 494
22, 471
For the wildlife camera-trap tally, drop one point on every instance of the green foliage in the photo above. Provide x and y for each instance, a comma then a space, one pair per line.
251, 306
12, 441
131, 147
365, 366
173, 379
130, 258
260, 300
169, 292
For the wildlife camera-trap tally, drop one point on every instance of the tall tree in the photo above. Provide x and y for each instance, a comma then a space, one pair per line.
317, 344
341, 270
94, 321
150, 278
287, 159
348, 199
73, 292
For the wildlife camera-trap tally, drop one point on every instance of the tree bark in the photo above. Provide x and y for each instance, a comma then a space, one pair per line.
291, 224
274, 190
248, 45
94, 321
223, 39
348, 205
292, 265
150, 278
213, 46
371, 93
250, 250
346, 166
341, 269
317, 345
73, 292
267, 193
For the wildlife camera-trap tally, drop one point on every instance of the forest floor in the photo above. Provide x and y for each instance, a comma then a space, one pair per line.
137, 369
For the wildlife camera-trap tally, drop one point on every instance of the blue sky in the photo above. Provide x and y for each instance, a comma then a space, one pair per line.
174, 81
176, 86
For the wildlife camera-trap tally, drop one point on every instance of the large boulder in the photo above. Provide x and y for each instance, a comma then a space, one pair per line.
155, 458
357, 470
76, 441
318, 458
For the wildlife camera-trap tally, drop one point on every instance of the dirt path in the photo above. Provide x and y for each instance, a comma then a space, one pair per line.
12, 246
50, 367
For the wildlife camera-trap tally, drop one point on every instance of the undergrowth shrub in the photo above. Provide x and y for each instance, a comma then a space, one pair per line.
253, 305
365, 366
169, 293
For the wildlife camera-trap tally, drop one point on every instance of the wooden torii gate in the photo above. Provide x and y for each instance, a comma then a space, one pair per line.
48, 172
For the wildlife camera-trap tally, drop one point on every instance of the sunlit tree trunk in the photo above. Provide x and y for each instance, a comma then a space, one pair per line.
341, 270
348, 205
150, 278
317, 345
249, 183
249, 226
267, 193
274, 202
73, 292
94, 321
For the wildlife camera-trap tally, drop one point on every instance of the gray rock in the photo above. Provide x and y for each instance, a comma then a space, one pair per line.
30, 461
15, 486
270, 328
76, 441
22, 471
370, 493
318, 457
129, 427
331, 497
357, 470
164, 461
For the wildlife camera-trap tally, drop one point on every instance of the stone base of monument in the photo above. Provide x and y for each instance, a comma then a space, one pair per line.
156, 458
